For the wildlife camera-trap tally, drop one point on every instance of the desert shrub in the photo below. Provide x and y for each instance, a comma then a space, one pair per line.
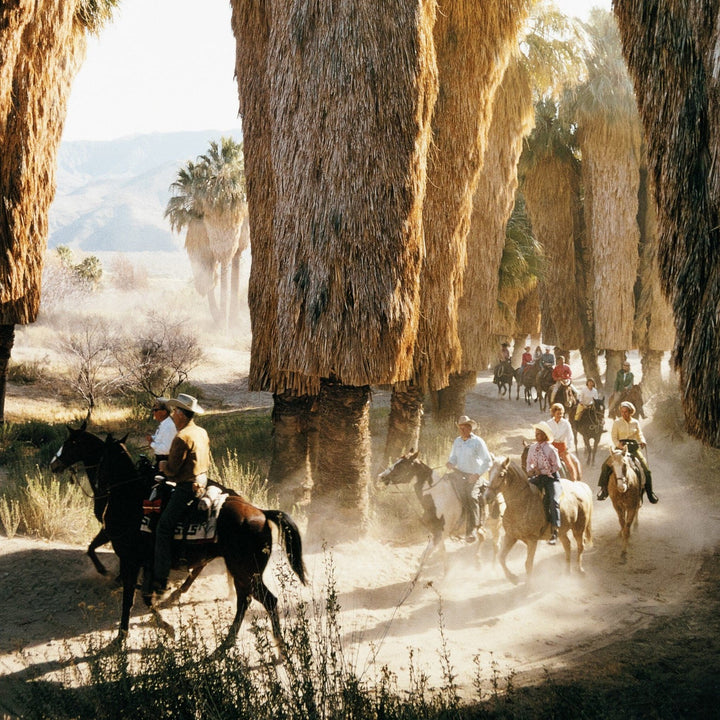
27, 373
54, 510
10, 515
157, 361
127, 276
65, 283
246, 480
32, 442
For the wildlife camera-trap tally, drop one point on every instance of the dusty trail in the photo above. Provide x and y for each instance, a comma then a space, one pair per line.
51, 595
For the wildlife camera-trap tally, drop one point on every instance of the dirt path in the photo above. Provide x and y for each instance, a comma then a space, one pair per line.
52, 596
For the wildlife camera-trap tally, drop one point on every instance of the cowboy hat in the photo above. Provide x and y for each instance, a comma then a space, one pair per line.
185, 402
629, 406
161, 403
465, 420
527, 347
545, 428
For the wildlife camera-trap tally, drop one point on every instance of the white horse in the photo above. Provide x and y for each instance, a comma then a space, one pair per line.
442, 507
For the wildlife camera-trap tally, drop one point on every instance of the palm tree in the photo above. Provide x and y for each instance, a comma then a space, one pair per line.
610, 140
224, 203
462, 120
340, 218
671, 56
208, 198
43, 47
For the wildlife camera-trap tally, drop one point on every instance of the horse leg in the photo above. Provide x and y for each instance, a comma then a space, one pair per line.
579, 535
100, 539
565, 540
192, 576
507, 546
530, 557
269, 602
129, 572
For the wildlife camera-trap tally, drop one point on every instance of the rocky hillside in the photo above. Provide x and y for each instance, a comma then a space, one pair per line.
111, 195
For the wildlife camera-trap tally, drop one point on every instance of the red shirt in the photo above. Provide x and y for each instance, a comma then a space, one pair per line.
526, 358
561, 372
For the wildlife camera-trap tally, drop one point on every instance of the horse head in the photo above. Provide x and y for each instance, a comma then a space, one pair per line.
80, 446
116, 465
619, 461
497, 475
401, 471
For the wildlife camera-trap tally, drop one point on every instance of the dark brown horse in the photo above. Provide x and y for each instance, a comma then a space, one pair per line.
591, 426
244, 538
83, 447
543, 383
526, 377
503, 376
632, 394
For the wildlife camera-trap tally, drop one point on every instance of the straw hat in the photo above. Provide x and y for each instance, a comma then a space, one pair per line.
186, 402
465, 420
629, 406
545, 428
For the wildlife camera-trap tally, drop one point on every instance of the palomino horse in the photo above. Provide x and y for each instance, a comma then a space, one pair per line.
524, 517
244, 540
591, 426
503, 376
625, 491
442, 508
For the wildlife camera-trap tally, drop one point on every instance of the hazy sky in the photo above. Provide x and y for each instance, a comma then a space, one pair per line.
166, 65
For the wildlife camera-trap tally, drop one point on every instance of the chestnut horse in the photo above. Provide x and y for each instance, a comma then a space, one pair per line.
244, 539
524, 517
625, 490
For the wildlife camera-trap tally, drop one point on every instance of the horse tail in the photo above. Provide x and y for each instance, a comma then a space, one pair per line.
587, 535
292, 542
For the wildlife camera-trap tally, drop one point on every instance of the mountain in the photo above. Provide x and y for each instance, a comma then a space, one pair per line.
112, 195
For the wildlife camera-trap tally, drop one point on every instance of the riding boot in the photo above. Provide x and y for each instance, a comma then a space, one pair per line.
603, 482
651, 496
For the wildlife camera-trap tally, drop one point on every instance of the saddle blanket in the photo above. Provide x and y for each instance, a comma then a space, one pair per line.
202, 524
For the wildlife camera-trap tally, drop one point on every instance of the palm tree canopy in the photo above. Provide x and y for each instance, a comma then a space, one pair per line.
224, 182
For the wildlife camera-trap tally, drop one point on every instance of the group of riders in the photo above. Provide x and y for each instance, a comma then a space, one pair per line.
554, 445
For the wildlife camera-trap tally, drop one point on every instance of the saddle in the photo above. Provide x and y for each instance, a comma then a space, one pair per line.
200, 523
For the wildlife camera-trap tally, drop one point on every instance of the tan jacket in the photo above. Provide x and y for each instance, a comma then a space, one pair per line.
189, 454
623, 430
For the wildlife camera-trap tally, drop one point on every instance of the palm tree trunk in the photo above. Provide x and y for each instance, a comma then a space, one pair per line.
613, 362
214, 309
7, 339
289, 471
449, 403
406, 411
651, 370
339, 505
590, 364
234, 309
224, 293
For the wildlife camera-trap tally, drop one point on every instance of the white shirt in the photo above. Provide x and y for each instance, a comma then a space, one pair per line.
163, 437
470, 456
562, 432
586, 396
542, 459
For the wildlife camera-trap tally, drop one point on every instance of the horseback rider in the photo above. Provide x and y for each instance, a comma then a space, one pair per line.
547, 359
527, 359
627, 428
503, 361
543, 468
586, 398
624, 380
469, 459
162, 438
561, 375
563, 440
187, 464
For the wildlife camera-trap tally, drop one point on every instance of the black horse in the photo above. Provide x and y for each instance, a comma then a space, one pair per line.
83, 447
503, 376
591, 426
543, 383
244, 538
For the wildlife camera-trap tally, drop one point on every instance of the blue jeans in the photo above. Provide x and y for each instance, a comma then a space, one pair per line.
551, 501
176, 510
